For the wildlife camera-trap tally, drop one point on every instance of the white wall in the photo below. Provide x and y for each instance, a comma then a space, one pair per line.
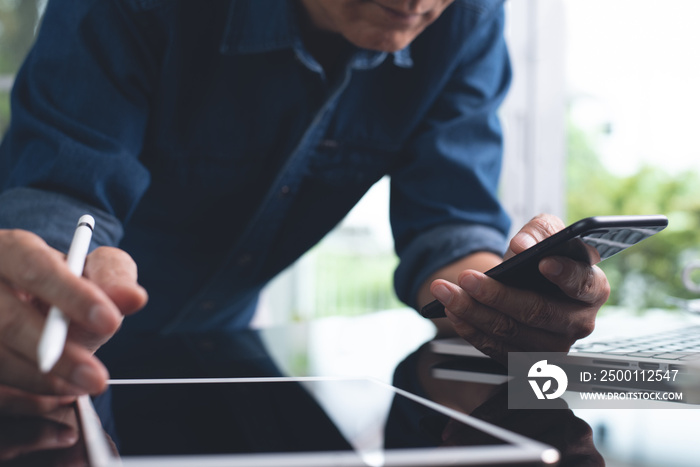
534, 114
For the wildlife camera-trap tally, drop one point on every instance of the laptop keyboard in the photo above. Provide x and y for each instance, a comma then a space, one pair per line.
677, 344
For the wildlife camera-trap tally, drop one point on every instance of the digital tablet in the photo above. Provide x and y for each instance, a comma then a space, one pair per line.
289, 422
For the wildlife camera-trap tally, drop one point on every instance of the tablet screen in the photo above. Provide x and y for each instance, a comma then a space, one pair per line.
280, 421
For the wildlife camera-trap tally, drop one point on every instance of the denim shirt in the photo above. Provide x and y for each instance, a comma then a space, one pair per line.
210, 145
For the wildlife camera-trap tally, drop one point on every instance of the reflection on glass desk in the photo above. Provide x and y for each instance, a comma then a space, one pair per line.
359, 422
48, 440
388, 346
283, 422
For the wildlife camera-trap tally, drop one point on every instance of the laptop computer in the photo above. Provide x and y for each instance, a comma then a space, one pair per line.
286, 421
672, 351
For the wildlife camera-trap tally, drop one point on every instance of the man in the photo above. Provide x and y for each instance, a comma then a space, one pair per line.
215, 142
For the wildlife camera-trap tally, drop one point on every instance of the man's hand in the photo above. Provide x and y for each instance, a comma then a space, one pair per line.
34, 276
499, 319
49, 439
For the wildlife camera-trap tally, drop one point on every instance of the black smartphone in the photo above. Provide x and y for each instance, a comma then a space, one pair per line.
589, 240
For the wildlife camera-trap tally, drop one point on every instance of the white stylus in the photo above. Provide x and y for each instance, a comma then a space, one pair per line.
53, 338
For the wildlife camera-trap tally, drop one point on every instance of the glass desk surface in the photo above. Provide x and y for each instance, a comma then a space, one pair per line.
390, 347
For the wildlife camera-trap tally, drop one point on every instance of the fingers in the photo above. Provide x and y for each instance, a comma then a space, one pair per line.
30, 265
579, 281
115, 272
460, 308
22, 437
498, 319
554, 315
33, 275
539, 228
497, 326
76, 372
20, 329
17, 402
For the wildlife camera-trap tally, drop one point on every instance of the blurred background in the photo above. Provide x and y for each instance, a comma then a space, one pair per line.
602, 119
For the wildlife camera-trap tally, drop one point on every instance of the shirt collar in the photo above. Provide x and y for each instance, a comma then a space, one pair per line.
257, 26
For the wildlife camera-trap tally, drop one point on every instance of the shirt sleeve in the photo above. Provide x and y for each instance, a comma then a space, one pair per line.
444, 203
79, 111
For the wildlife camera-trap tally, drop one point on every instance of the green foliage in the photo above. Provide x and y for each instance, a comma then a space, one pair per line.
647, 274
18, 21
349, 283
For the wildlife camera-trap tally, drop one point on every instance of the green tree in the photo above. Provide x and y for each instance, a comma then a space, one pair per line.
18, 22
647, 274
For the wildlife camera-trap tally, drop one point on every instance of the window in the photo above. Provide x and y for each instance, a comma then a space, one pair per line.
632, 100
18, 22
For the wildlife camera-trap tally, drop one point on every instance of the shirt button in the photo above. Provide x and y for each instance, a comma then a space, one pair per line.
207, 305
328, 143
284, 191
244, 260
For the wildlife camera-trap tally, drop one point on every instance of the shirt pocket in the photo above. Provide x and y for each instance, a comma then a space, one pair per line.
344, 165
209, 169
